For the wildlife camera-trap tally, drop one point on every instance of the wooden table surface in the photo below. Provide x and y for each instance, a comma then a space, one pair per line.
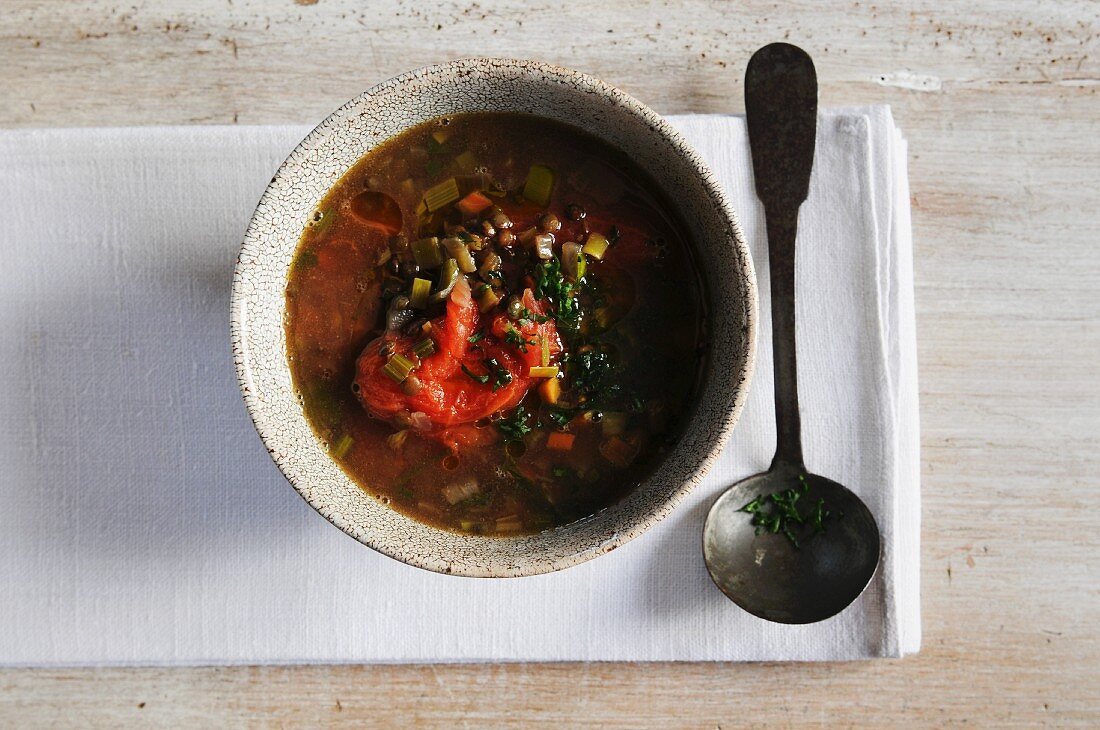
1001, 105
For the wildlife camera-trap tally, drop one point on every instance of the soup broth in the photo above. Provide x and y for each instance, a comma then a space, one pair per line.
494, 324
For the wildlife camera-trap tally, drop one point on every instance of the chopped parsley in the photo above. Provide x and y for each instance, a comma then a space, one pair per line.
483, 379
550, 283
515, 426
515, 337
559, 417
778, 513
589, 370
501, 376
475, 337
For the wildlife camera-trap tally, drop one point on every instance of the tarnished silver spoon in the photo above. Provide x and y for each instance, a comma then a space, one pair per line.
814, 564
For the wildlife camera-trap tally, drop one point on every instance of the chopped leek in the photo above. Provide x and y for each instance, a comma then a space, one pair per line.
613, 424
466, 162
424, 348
488, 299
460, 491
426, 252
595, 246
461, 253
398, 367
343, 446
442, 194
396, 440
540, 182
573, 261
448, 277
418, 297
550, 371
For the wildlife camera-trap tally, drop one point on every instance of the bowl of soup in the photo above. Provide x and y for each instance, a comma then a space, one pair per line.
494, 318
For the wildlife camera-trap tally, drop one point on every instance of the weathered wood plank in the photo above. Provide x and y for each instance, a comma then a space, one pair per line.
1000, 102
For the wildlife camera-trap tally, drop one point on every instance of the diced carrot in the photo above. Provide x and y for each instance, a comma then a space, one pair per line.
550, 390
618, 452
474, 203
558, 441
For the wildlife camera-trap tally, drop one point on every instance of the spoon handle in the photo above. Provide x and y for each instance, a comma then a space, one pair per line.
781, 110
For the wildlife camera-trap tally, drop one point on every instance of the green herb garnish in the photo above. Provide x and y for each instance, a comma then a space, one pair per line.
475, 337
501, 376
483, 379
515, 426
778, 513
514, 337
559, 416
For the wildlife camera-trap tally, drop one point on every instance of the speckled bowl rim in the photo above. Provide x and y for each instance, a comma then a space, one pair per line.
738, 380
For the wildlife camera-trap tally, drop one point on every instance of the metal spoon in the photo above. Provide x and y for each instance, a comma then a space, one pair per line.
767, 574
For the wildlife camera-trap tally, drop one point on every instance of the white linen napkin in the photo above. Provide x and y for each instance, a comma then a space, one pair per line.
142, 522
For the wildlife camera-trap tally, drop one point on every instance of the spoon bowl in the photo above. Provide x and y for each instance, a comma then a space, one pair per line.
767, 575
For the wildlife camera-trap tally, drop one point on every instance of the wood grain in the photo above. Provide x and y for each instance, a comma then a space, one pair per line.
1000, 103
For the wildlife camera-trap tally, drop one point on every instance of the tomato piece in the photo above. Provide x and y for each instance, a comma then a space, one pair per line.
448, 395
531, 333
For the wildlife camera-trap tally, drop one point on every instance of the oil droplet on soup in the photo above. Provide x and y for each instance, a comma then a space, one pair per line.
494, 324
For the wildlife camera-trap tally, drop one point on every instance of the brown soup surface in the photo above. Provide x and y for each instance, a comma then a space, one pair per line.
494, 324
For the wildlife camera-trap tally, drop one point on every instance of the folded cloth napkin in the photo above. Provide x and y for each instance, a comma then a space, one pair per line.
142, 521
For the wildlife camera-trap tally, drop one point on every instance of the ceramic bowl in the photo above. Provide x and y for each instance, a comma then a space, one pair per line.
258, 306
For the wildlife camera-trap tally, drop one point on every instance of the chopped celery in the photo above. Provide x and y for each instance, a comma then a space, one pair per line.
595, 246
424, 348
540, 183
461, 253
543, 372
343, 446
421, 208
418, 297
442, 194
398, 367
426, 252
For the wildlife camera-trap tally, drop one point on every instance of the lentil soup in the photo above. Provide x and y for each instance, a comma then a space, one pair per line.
495, 324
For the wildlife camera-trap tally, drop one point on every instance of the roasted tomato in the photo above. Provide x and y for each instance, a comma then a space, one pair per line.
461, 382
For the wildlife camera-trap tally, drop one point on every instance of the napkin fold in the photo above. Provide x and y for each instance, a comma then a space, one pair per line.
142, 522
